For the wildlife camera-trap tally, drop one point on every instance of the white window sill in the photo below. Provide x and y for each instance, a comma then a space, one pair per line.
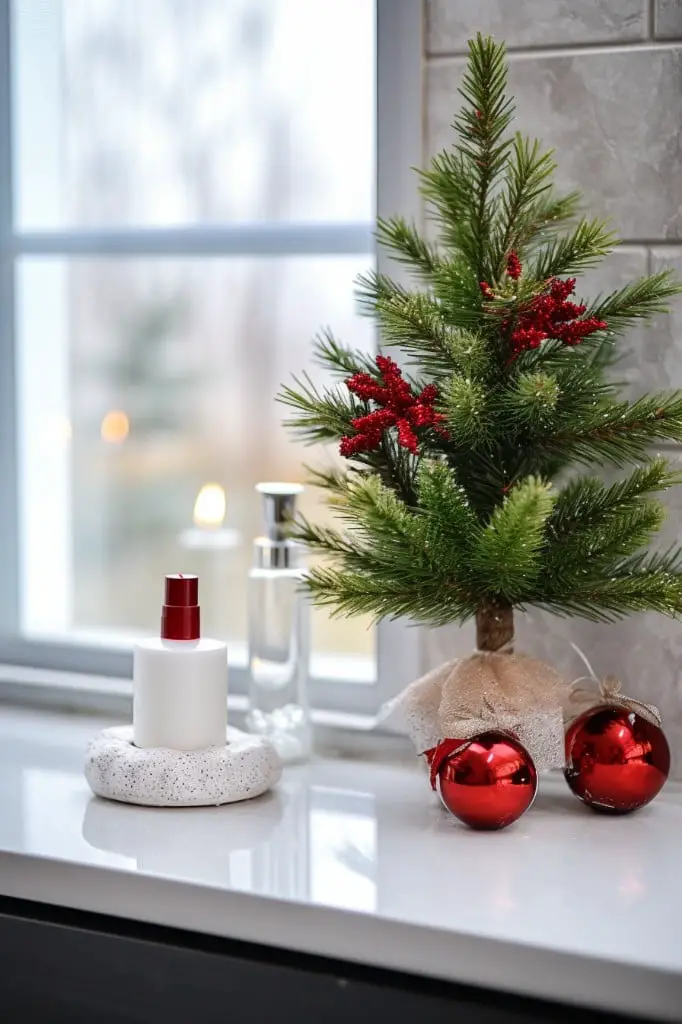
565, 905
337, 732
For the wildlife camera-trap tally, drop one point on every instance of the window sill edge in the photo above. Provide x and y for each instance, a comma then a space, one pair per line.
337, 733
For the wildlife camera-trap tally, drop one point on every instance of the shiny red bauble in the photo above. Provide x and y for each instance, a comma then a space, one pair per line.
489, 781
616, 761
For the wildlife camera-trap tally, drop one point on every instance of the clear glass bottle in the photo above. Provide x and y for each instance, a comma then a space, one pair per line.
279, 631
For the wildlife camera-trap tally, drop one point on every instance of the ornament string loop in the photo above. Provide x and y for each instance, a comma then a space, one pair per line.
608, 691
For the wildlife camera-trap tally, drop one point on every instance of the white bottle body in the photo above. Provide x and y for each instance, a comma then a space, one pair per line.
179, 694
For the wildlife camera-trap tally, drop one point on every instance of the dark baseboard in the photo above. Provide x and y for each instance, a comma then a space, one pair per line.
64, 965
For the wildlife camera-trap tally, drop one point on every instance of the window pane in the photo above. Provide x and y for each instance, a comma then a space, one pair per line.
172, 112
141, 381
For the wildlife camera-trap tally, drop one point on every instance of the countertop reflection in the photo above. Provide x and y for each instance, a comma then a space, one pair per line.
370, 839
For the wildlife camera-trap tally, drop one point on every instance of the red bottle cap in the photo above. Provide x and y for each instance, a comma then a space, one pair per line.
180, 614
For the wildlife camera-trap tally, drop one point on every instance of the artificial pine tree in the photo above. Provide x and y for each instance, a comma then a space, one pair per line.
466, 494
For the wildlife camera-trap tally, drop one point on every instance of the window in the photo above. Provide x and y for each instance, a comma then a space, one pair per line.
187, 191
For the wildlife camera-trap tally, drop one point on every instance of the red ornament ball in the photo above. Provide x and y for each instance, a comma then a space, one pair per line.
489, 781
616, 761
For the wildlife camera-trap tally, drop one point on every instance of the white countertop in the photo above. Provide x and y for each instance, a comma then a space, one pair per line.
358, 861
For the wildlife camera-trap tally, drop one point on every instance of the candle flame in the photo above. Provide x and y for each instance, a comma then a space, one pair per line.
115, 426
210, 506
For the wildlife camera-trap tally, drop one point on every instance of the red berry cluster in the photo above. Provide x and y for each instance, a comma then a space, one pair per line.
513, 266
552, 316
549, 315
398, 405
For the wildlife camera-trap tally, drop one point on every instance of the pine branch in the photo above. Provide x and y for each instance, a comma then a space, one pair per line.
370, 560
451, 522
620, 432
393, 466
328, 541
527, 179
334, 481
372, 288
481, 126
594, 549
508, 557
587, 502
464, 402
587, 245
540, 409
348, 593
638, 584
416, 322
319, 417
459, 187
581, 393
381, 524
482, 473
627, 534
393, 551
331, 480
639, 300
333, 356
531, 401
406, 245
592, 526
549, 213
593, 356
455, 301
446, 187
324, 417
396, 468
457, 290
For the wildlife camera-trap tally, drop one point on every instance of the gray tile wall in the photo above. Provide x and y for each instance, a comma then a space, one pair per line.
601, 82
667, 19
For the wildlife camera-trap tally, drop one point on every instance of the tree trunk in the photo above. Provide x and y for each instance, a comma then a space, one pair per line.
494, 626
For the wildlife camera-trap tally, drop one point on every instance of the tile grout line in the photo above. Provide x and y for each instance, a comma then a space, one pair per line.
649, 243
569, 50
668, 446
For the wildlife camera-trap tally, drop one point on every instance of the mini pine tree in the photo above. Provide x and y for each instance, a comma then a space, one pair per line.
459, 500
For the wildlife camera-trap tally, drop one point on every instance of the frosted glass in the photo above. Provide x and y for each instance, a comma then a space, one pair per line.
181, 112
142, 381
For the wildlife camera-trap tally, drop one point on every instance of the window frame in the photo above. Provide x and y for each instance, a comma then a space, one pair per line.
399, 33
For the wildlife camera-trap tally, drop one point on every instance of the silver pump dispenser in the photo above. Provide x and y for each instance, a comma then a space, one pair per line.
275, 550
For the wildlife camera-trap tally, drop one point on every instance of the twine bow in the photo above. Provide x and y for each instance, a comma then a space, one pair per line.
608, 692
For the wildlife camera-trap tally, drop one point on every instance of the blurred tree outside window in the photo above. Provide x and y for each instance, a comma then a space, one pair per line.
162, 369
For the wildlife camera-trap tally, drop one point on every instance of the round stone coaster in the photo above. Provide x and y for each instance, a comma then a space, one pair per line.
118, 770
